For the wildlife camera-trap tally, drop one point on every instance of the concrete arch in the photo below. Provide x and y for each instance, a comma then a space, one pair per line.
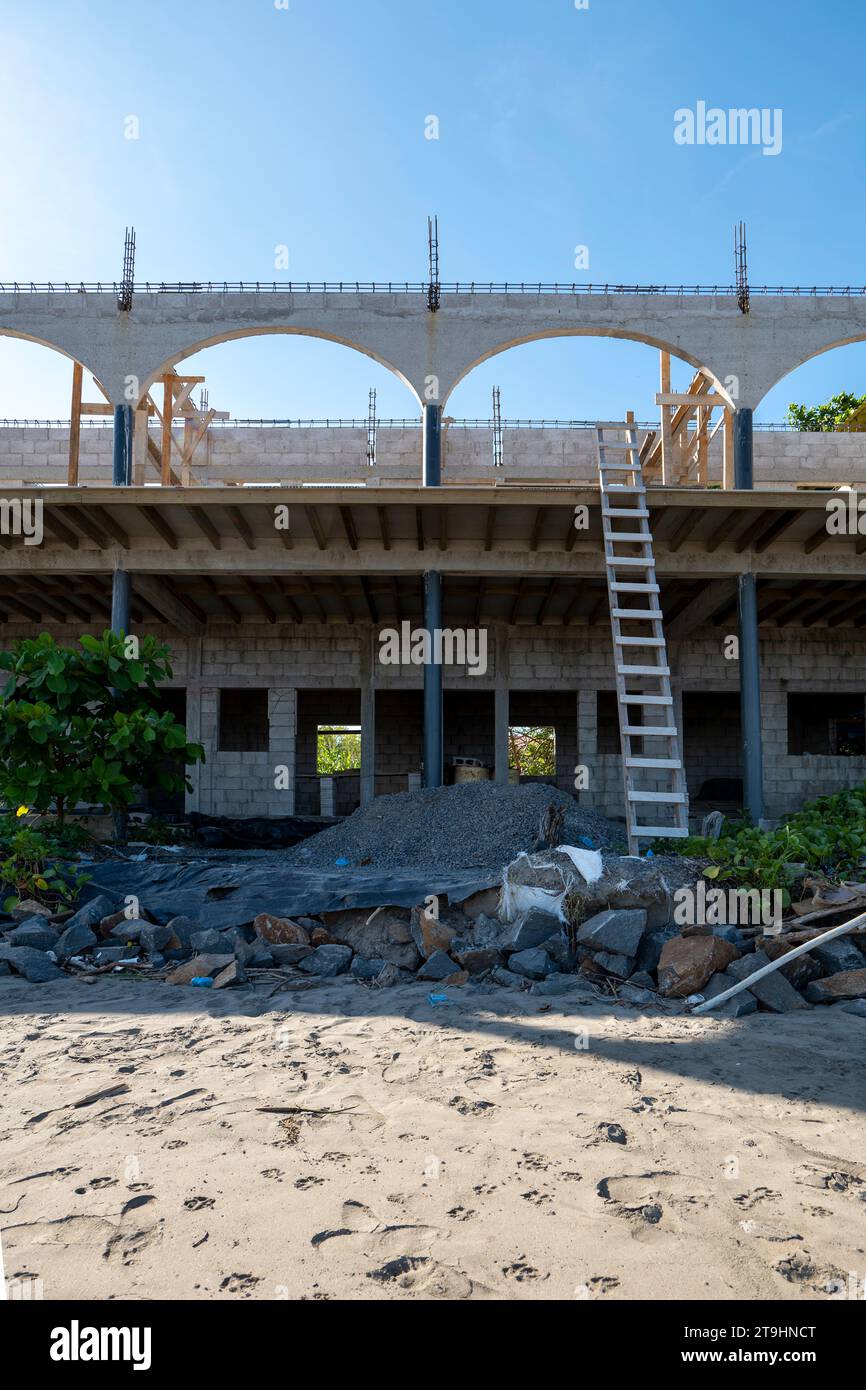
620, 335
849, 341
52, 347
238, 334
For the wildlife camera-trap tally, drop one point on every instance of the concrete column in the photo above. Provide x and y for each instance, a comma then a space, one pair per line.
193, 716
434, 771
283, 724
750, 697
743, 449
121, 598
122, 452
432, 446
368, 717
500, 707
587, 746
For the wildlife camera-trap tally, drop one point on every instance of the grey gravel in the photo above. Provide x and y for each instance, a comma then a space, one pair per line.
467, 826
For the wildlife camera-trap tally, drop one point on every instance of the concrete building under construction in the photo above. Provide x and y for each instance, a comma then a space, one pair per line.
277, 560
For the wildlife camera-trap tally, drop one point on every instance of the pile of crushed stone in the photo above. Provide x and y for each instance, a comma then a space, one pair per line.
475, 824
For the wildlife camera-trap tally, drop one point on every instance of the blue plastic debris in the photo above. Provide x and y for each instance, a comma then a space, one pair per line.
342, 863
202, 981
585, 840
439, 999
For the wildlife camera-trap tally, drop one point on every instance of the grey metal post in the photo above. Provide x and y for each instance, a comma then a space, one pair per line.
434, 772
743, 449
121, 594
122, 453
750, 697
433, 725
750, 652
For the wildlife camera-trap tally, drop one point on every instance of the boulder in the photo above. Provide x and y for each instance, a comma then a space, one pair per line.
108, 955
290, 955
738, 1007
74, 940
327, 961
437, 967
208, 942
198, 966
129, 929
183, 928
232, 974
154, 938
35, 966
92, 913
847, 984
281, 931
856, 1006
383, 935
534, 928
534, 964
611, 964
562, 953
321, 937
508, 979
774, 991
688, 962
557, 984
429, 934
618, 931
651, 946
483, 904
36, 932
836, 956
366, 969
798, 971
460, 977
29, 908
477, 961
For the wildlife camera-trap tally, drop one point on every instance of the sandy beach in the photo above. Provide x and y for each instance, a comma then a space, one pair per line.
340, 1142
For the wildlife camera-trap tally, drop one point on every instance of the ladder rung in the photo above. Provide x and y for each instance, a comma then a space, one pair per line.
633, 537
616, 488
665, 731
644, 670
673, 763
616, 444
635, 588
659, 832
639, 641
669, 798
637, 613
616, 425
634, 560
646, 699
619, 467
625, 511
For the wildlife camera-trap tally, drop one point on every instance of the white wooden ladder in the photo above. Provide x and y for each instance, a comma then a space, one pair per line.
654, 780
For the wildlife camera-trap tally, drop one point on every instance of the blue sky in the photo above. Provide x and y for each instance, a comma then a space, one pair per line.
305, 127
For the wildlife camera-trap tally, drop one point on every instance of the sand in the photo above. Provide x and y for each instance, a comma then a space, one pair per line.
347, 1143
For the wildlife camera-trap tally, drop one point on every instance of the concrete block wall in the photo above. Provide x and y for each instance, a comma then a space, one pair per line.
554, 676
280, 454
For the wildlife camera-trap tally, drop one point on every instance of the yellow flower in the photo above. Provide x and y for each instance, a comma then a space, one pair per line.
22, 811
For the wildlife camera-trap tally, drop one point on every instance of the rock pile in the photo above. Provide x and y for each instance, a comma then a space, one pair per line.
615, 934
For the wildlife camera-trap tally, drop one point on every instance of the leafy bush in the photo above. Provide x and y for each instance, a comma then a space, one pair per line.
827, 835
32, 870
824, 417
84, 724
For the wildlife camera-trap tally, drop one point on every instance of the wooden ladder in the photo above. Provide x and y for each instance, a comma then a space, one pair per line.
639, 647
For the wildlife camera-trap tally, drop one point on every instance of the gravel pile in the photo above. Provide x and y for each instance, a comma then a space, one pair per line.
468, 826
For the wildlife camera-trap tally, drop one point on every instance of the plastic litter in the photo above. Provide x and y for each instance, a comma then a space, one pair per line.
342, 863
439, 999
202, 982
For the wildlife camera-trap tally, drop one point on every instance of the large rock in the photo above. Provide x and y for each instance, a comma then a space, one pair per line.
742, 1004
290, 955
281, 931
625, 882
155, 938
33, 965
429, 934
610, 963
533, 964
129, 929
183, 928
477, 961
534, 928
438, 967
836, 956
848, 984
798, 971
207, 942
29, 908
508, 979
651, 946
687, 962
774, 991
74, 940
36, 932
92, 912
327, 961
483, 904
384, 935
198, 967
618, 931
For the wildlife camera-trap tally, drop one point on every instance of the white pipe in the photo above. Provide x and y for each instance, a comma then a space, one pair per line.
783, 960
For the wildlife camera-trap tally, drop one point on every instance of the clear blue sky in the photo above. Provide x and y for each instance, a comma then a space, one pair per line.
305, 127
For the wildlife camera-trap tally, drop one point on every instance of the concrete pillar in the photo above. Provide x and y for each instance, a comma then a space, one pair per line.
434, 771
500, 707
432, 446
282, 741
194, 647
327, 797
743, 449
122, 451
587, 746
750, 697
121, 598
368, 717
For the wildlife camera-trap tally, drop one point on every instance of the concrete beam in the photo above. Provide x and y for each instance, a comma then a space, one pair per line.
165, 603
700, 609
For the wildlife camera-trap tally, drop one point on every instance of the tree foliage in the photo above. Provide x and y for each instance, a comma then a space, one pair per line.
532, 751
826, 417
84, 724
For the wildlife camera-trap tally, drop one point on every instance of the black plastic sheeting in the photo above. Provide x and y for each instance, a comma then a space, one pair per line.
231, 894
